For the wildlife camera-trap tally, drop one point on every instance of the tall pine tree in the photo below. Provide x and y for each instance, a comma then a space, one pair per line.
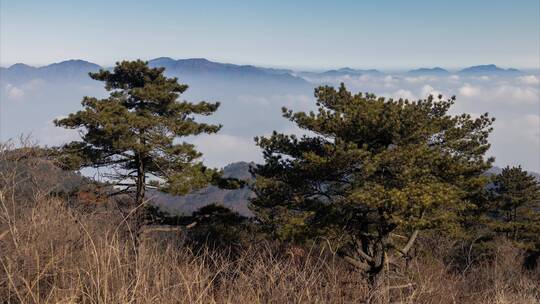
515, 211
134, 133
373, 175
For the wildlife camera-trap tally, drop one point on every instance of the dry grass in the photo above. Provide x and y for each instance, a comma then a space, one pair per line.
52, 253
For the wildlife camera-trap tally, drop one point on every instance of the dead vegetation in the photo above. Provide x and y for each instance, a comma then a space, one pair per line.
51, 251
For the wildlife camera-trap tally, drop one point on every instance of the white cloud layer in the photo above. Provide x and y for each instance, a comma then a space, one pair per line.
529, 80
221, 149
513, 100
469, 91
13, 92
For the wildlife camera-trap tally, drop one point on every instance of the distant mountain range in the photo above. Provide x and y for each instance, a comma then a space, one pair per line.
197, 72
339, 73
198, 68
429, 71
77, 69
202, 65
477, 70
487, 69
72, 70
236, 200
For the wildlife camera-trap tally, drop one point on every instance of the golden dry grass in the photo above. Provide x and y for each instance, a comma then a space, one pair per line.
53, 253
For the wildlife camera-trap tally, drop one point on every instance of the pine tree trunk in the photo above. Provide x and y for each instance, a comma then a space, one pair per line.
138, 216
372, 262
376, 271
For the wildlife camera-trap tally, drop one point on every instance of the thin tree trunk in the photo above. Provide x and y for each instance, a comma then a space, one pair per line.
139, 199
138, 216
377, 269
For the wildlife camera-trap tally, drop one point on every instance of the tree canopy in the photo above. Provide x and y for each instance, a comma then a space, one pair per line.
515, 209
372, 172
135, 131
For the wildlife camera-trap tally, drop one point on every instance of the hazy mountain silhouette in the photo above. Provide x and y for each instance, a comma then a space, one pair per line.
69, 70
236, 200
338, 73
487, 69
429, 71
202, 65
195, 70
349, 71
199, 69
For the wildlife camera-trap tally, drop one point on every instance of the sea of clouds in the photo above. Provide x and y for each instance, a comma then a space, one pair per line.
513, 100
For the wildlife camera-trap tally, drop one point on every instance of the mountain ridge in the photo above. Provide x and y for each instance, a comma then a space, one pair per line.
75, 67
72, 69
489, 69
429, 71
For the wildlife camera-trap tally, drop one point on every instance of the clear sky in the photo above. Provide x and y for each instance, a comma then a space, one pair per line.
308, 34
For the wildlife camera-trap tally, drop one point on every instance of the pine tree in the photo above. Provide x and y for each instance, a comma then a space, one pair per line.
516, 207
373, 175
134, 133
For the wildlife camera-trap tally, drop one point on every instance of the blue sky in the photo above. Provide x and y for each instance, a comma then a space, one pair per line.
307, 34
